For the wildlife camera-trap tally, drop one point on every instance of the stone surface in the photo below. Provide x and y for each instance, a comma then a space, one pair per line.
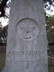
27, 29
27, 42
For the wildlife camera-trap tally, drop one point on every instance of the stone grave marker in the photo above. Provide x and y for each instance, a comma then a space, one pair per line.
27, 43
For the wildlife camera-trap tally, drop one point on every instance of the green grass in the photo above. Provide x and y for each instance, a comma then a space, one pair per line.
50, 71
2, 63
2, 60
51, 68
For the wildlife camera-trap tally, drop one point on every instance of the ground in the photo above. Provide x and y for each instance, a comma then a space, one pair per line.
2, 60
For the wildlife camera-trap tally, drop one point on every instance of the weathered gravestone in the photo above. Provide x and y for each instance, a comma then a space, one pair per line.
27, 43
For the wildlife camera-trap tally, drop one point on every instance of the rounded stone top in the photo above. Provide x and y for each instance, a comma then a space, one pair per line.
27, 29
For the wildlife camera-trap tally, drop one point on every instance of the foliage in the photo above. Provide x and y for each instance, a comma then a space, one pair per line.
2, 5
50, 21
50, 35
50, 28
49, 7
3, 34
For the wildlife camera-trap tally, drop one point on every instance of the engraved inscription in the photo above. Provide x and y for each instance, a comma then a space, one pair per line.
26, 55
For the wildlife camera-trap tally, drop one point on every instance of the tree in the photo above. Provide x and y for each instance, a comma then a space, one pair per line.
50, 35
2, 5
50, 28
48, 5
3, 34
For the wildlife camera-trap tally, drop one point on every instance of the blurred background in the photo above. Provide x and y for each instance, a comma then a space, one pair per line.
5, 6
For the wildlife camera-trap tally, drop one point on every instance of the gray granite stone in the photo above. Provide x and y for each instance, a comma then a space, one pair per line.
27, 43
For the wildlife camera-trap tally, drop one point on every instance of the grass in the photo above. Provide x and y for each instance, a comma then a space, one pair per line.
2, 60
2, 63
51, 68
51, 71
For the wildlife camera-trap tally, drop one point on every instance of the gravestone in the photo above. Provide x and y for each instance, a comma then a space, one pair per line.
27, 43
